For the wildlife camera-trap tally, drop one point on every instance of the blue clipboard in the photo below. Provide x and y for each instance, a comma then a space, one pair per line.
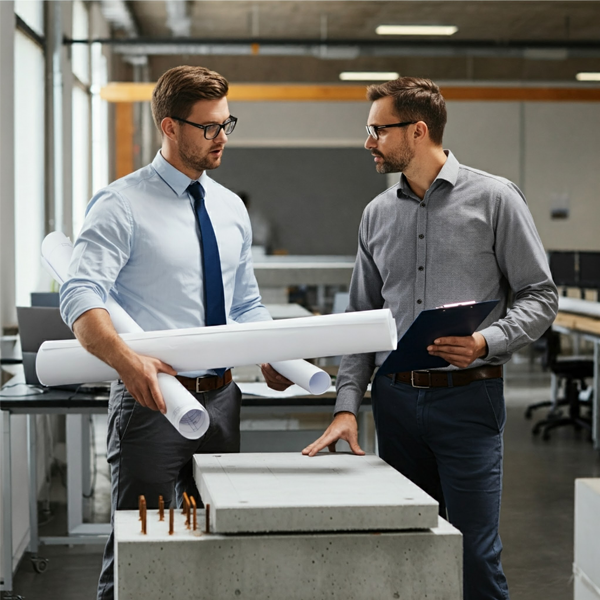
456, 320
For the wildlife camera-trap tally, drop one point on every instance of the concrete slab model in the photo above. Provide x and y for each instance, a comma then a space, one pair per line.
289, 526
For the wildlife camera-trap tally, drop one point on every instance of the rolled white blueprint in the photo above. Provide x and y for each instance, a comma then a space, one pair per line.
65, 361
304, 374
56, 256
184, 412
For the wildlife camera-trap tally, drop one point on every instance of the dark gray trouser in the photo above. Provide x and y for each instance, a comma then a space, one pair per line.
449, 442
147, 456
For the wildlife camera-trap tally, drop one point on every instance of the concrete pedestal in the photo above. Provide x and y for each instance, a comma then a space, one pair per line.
287, 526
411, 565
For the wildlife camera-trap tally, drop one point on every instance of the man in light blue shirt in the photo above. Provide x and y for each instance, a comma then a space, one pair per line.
173, 247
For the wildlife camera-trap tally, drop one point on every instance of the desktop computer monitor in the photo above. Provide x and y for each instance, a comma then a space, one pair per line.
563, 268
589, 270
38, 324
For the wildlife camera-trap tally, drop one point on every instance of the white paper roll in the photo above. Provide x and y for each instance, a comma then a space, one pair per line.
184, 412
56, 256
65, 361
304, 374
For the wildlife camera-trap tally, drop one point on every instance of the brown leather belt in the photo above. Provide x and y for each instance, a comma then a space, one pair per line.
429, 379
205, 384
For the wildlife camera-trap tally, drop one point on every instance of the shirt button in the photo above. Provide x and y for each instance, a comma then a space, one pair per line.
421, 268
422, 204
421, 236
419, 301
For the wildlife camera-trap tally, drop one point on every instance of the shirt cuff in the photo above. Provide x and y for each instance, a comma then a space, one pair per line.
496, 341
347, 401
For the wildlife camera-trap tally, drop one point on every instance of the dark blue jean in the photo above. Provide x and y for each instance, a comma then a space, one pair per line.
448, 441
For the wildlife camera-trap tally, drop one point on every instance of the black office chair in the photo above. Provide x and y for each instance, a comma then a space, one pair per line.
574, 372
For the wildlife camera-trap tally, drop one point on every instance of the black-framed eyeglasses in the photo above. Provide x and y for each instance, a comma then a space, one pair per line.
373, 130
213, 130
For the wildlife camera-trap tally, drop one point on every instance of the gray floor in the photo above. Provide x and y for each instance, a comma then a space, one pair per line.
537, 510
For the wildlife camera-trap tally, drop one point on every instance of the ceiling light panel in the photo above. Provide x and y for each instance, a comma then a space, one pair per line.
368, 75
589, 76
416, 30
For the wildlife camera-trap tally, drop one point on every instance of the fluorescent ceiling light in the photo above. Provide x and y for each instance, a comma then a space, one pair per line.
416, 30
588, 76
368, 76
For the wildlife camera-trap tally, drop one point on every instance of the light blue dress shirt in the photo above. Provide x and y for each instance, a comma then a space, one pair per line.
140, 243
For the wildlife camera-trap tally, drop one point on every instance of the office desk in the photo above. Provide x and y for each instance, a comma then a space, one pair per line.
74, 406
589, 328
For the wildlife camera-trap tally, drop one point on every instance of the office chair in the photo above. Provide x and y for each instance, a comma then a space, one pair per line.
574, 371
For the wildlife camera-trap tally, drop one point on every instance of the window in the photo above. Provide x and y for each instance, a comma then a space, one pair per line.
81, 116
29, 166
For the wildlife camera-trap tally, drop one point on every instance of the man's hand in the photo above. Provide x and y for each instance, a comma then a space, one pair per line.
275, 380
140, 377
460, 351
343, 427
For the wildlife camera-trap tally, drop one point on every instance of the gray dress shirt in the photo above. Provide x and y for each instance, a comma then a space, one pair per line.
472, 237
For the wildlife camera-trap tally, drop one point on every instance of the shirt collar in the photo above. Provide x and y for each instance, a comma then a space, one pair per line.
173, 177
449, 173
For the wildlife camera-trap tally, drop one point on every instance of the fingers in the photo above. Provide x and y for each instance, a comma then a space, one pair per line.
325, 440
165, 368
275, 380
157, 397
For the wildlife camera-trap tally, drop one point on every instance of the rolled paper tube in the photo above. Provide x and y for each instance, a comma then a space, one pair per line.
65, 361
304, 374
183, 411
56, 256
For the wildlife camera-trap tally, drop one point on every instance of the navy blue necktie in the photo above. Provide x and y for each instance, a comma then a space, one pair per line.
214, 295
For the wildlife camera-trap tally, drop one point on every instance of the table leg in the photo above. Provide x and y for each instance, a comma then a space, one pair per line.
7, 542
596, 397
32, 465
74, 472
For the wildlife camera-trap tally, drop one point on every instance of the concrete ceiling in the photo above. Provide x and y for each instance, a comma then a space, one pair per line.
523, 40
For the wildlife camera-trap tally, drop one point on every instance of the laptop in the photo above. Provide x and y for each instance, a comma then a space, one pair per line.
38, 324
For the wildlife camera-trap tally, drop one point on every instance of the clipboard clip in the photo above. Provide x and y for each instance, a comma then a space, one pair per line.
455, 304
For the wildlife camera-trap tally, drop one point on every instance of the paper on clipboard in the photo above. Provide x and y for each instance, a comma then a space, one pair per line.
460, 319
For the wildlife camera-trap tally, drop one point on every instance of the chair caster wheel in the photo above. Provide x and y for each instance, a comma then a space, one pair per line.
39, 564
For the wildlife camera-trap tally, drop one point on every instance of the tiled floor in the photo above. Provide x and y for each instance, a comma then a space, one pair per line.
537, 511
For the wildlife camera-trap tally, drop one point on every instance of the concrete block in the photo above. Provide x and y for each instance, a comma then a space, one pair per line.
411, 565
587, 538
286, 492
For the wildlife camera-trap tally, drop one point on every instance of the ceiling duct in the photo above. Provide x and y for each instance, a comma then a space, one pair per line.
117, 13
178, 18
345, 49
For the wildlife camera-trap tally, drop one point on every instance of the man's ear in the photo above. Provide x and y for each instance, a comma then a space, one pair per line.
167, 126
421, 130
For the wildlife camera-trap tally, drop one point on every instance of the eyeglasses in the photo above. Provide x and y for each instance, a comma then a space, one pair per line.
373, 130
213, 130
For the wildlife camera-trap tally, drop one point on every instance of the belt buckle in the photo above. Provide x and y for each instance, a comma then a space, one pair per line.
420, 387
198, 390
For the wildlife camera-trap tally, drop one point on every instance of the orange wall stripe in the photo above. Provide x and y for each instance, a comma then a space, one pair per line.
123, 139
242, 92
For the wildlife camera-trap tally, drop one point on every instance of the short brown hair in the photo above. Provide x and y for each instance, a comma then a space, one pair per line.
181, 87
415, 99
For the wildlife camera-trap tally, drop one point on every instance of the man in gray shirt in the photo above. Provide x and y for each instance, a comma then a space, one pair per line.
445, 233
